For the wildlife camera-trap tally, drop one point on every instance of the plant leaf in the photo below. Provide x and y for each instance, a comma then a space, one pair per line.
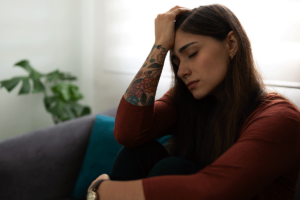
38, 86
50, 101
64, 115
86, 111
77, 109
25, 89
35, 75
25, 65
63, 90
63, 111
75, 94
10, 84
67, 76
68, 112
57, 110
52, 76
32, 72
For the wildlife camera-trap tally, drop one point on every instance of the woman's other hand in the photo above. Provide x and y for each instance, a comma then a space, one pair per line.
164, 26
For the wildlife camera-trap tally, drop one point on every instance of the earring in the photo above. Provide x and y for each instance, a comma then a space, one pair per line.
231, 57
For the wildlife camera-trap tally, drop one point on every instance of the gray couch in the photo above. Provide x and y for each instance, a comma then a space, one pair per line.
44, 164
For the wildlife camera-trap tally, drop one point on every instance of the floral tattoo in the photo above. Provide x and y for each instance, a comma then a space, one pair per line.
147, 79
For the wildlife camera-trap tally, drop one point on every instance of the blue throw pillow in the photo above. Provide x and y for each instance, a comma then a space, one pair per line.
100, 155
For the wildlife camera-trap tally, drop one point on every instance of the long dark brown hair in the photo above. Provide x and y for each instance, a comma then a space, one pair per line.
205, 129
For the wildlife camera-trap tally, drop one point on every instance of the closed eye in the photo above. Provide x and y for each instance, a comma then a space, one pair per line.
193, 54
174, 57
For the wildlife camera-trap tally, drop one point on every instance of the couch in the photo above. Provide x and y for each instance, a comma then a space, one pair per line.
45, 163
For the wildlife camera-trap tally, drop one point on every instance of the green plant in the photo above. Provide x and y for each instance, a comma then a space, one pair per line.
61, 103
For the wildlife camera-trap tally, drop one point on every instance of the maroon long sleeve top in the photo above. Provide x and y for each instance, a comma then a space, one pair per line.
263, 164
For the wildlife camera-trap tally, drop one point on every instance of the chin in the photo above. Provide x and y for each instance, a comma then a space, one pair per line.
198, 95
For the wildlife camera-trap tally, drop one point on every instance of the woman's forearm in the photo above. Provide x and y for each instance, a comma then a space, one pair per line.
142, 89
121, 190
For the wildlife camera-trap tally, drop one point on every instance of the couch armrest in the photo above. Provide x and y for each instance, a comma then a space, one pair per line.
45, 163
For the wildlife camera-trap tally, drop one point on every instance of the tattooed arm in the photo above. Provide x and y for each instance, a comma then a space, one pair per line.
142, 89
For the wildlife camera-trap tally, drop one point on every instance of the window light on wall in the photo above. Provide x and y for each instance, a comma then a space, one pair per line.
273, 28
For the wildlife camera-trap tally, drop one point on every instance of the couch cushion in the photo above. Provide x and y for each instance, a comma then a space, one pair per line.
99, 157
100, 154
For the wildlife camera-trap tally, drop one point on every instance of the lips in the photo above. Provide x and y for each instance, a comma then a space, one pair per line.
190, 83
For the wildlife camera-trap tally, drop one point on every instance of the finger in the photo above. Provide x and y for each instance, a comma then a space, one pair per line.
179, 11
177, 16
175, 7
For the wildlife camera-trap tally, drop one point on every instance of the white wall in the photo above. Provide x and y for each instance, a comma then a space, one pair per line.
49, 33
73, 35
124, 36
111, 83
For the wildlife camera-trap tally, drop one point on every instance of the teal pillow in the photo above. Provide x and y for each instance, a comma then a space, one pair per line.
100, 154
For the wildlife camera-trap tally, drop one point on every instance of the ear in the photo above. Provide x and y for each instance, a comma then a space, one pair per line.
232, 43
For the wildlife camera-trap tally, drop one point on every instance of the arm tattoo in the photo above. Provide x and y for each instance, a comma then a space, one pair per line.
146, 80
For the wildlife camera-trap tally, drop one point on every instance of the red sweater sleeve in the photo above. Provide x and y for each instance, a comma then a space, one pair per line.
267, 149
137, 125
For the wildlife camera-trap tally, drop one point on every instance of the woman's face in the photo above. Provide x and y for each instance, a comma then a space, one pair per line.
204, 60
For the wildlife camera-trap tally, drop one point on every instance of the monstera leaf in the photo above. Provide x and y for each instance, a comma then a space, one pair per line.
34, 76
25, 89
62, 105
57, 75
10, 84
67, 91
62, 110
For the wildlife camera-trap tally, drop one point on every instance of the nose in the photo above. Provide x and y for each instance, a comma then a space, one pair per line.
183, 71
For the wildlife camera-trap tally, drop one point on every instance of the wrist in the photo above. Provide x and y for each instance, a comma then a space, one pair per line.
101, 184
164, 46
94, 191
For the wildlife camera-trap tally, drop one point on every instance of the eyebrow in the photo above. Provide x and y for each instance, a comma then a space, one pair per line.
186, 46
183, 48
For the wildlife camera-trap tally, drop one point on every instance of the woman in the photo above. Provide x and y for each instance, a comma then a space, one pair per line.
231, 139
